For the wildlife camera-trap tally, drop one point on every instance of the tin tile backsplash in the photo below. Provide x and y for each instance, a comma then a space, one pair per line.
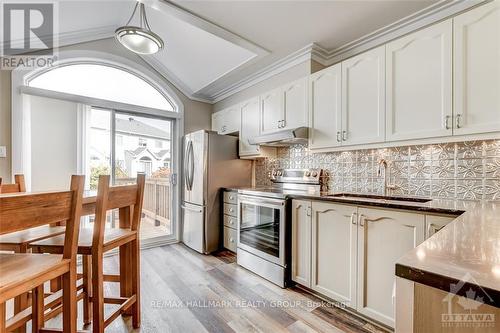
464, 170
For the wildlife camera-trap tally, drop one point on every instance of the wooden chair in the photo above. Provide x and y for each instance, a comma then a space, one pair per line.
18, 241
24, 272
18, 186
93, 243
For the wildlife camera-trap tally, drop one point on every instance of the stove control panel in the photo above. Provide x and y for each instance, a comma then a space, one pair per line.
299, 176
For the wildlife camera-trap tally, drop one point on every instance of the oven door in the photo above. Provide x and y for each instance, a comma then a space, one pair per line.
261, 227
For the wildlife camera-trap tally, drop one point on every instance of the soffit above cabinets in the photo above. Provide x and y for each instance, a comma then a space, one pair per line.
212, 47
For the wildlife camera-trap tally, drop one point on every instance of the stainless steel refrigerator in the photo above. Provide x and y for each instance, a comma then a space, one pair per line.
210, 163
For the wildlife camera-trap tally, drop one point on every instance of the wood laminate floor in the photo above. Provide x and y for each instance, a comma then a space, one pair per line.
183, 291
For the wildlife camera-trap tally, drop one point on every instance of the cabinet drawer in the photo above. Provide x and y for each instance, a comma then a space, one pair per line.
230, 209
230, 239
231, 197
230, 221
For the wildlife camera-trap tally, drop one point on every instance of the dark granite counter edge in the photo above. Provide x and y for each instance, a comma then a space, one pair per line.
438, 281
382, 204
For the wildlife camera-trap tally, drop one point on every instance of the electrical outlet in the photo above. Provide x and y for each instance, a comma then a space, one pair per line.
3, 151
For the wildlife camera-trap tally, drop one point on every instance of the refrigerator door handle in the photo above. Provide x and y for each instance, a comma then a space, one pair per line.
198, 210
186, 176
187, 162
191, 160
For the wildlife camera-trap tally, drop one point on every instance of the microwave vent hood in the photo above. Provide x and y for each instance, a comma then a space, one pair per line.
282, 138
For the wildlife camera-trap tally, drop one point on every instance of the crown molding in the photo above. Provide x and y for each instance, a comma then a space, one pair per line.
275, 68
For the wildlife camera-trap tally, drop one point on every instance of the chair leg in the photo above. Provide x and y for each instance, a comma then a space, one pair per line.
21, 302
3, 317
135, 269
87, 289
97, 294
125, 278
37, 309
70, 305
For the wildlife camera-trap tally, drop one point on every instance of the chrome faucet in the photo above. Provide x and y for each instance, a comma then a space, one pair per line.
383, 166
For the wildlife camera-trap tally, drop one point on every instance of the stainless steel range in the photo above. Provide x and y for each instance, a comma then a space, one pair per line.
263, 227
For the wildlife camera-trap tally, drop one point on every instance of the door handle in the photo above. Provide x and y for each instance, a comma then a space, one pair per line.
192, 166
459, 123
353, 219
198, 210
447, 122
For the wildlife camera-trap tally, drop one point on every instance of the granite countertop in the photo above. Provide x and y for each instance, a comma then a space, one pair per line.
463, 256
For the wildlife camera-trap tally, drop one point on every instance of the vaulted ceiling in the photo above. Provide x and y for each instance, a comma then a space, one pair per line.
213, 45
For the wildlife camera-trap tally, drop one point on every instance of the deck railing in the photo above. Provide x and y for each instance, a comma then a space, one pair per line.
156, 203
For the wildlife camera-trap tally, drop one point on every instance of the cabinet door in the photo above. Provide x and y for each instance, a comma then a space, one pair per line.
435, 223
418, 97
363, 98
477, 70
232, 120
334, 251
250, 120
325, 108
217, 121
383, 237
301, 242
271, 111
295, 104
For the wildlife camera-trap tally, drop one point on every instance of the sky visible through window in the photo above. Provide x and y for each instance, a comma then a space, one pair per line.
102, 82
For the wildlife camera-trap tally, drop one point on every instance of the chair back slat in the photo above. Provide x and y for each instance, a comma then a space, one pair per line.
73, 223
23, 211
122, 196
126, 198
18, 186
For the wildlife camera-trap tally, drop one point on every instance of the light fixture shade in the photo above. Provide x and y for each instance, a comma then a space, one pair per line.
139, 40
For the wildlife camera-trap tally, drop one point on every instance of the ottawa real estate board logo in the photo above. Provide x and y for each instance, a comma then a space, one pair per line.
28, 34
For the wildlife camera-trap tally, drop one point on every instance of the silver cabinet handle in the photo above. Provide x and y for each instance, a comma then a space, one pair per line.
283, 123
361, 220
231, 240
459, 123
353, 219
447, 122
231, 197
338, 136
279, 123
344, 135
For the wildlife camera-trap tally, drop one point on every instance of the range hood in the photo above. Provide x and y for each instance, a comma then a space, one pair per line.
282, 138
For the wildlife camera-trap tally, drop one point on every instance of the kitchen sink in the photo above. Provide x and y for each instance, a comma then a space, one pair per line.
379, 197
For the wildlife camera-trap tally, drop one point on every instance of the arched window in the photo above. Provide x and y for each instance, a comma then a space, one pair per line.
103, 82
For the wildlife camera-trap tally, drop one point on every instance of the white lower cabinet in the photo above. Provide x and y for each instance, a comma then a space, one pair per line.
301, 242
349, 253
334, 252
384, 236
434, 223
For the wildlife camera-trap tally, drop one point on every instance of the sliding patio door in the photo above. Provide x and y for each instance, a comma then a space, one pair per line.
125, 144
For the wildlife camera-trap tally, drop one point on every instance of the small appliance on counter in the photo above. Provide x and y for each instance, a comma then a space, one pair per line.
264, 232
210, 163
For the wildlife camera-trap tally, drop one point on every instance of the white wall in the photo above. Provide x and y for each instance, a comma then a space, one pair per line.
53, 143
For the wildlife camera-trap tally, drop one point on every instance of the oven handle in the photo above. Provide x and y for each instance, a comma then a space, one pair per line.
268, 202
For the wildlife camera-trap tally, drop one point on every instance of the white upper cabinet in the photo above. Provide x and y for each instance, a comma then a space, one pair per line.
295, 104
250, 120
271, 111
419, 84
383, 237
363, 98
325, 108
227, 121
477, 70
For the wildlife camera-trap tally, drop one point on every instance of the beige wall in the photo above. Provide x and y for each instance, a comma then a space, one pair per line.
294, 73
197, 115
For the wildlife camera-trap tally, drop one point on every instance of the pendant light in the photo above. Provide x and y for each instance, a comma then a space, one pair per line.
139, 39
